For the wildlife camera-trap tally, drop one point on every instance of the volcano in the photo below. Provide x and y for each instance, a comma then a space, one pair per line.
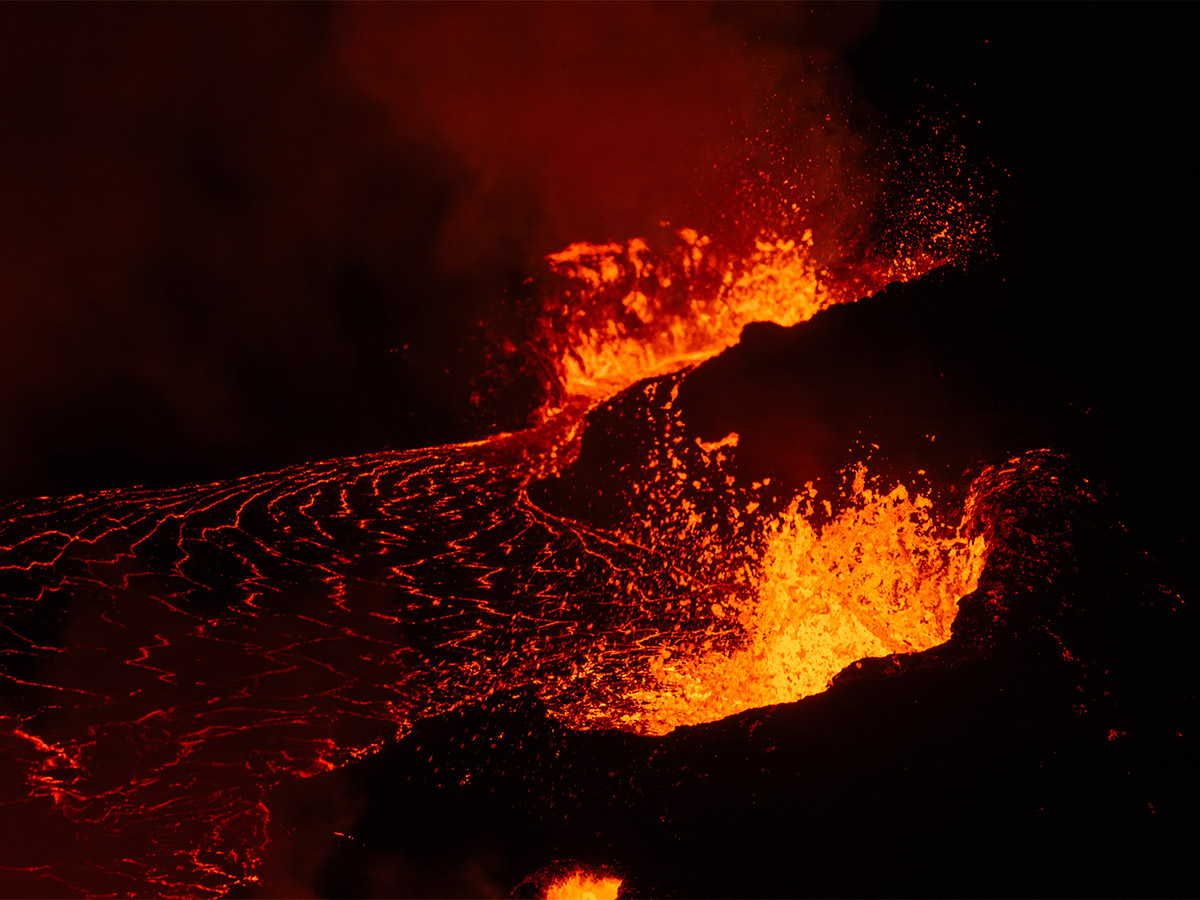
194, 672
825, 539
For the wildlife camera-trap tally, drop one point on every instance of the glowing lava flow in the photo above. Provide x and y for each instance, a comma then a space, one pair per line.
168, 656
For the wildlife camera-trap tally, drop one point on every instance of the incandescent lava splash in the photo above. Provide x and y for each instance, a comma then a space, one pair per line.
880, 578
169, 656
617, 314
563, 880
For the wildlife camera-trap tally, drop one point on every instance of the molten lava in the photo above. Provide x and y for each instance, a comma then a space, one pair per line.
169, 656
880, 578
583, 885
628, 312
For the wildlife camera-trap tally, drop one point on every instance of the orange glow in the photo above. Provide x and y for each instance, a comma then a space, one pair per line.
663, 326
771, 607
791, 603
878, 579
582, 885
632, 311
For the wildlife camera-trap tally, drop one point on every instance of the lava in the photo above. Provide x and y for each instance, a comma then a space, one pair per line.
584, 886
879, 579
171, 655
622, 313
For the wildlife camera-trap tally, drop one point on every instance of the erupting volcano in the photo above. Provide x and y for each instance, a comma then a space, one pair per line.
237, 633
754, 602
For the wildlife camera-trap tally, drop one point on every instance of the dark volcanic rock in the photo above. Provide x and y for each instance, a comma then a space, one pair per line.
1045, 750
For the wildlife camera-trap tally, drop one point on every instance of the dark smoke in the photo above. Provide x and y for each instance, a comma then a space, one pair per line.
582, 122
235, 237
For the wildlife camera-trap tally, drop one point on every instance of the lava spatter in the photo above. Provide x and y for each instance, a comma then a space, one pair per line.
568, 880
883, 577
620, 313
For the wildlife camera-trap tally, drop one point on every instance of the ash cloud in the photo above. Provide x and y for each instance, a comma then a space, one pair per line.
235, 237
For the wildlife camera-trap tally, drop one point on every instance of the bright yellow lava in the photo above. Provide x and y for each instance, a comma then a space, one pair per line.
583, 886
880, 578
